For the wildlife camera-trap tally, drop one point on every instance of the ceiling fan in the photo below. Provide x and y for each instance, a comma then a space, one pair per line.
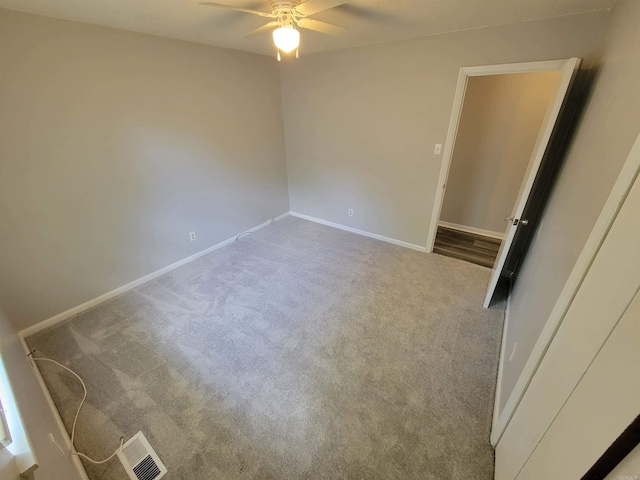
288, 15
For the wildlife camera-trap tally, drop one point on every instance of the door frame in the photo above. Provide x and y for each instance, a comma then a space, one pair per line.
454, 123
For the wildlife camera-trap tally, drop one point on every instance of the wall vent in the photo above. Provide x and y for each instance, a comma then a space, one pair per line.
139, 459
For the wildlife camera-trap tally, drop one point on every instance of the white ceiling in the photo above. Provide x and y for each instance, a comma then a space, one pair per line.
368, 21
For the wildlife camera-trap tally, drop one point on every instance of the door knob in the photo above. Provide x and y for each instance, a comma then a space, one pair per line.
516, 221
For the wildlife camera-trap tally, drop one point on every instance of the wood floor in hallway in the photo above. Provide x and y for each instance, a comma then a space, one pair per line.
465, 246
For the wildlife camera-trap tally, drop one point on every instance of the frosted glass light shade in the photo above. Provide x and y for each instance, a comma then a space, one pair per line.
286, 38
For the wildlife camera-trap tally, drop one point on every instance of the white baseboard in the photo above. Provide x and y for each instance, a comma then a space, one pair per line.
496, 400
477, 231
360, 232
131, 285
52, 406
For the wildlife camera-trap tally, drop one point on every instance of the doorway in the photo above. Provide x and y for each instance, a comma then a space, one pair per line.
501, 125
500, 122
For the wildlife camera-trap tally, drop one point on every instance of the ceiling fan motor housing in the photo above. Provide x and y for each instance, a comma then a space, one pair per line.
285, 11
287, 16
277, 6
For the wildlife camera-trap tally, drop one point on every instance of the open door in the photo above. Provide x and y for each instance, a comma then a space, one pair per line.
568, 69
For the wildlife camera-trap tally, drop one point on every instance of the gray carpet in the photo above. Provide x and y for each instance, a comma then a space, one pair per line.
298, 352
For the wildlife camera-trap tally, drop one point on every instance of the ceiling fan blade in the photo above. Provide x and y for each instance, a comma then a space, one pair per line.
237, 9
262, 29
321, 27
314, 6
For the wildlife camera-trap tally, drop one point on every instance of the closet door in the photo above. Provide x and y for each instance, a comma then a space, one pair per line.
585, 391
604, 403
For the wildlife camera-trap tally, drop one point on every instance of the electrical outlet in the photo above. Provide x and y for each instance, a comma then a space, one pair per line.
192, 236
351, 212
438, 149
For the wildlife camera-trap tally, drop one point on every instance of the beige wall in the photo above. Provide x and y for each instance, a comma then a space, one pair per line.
114, 146
37, 417
605, 134
499, 125
361, 123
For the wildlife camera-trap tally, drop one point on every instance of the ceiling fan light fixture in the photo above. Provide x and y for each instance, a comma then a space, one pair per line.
286, 38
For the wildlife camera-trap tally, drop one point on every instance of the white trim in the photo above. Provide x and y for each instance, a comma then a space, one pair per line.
4, 432
16, 439
54, 410
522, 67
447, 156
614, 202
6, 395
503, 347
454, 122
359, 232
25, 464
474, 230
131, 285
554, 111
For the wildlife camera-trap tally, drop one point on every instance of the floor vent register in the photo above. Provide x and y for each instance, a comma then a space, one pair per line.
139, 459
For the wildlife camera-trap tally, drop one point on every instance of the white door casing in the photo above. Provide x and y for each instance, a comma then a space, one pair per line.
568, 68
568, 71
